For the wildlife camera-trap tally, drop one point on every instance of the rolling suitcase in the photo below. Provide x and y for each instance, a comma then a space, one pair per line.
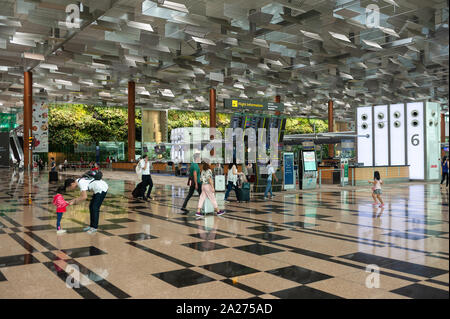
139, 191
53, 176
244, 192
219, 183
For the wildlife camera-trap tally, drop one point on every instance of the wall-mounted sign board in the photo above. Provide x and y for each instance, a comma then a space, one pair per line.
240, 104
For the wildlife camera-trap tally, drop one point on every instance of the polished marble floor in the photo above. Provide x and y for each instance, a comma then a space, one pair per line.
312, 244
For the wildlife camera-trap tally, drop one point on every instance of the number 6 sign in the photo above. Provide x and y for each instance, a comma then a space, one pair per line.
415, 147
415, 140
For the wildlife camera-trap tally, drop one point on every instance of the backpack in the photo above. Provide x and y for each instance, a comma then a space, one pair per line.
96, 175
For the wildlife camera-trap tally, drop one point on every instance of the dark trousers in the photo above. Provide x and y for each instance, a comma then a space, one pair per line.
230, 186
444, 176
94, 208
147, 179
58, 220
191, 192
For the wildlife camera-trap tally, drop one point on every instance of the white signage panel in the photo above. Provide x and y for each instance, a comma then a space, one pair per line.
381, 136
364, 127
415, 140
397, 134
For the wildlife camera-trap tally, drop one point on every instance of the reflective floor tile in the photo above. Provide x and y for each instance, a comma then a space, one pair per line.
40, 227
427, 232
229, 269
268, 236
405, 235
208, 236
83, 252
121, 220
303, 292
265, 228
300, 224
418, 291
299, 274
205, 246
183, 277
138, 236
259, 249
9, 261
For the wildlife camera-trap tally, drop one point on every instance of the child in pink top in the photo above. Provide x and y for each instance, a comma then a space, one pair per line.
61, 204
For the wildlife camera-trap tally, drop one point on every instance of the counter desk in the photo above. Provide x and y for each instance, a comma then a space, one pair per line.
358, 175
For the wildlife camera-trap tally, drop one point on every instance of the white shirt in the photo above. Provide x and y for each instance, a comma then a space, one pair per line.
231, 177
83, 183
377, 184
142, 165
270, 171
98, 186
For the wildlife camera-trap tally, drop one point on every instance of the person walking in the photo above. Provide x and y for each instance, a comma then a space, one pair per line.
146, 177
53, 165
207, 190
91, 181
444, 165
232, 177
41, 164
377, 182
270, 176
194, 182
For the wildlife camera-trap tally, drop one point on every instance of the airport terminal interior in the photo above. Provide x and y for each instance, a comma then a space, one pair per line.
317, 131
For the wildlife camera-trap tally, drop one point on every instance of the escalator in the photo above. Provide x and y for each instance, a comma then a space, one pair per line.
13, 148
16, 145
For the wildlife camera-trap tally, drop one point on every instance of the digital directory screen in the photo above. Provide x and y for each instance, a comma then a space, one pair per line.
309, 161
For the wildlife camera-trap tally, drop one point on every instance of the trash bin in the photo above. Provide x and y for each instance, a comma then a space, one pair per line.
336, 177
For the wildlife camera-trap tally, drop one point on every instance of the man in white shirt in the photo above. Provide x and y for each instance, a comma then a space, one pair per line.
146, 177
270, 176
99, 188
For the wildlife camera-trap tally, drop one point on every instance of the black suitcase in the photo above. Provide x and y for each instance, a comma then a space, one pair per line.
53, 176
139, 191
244, 192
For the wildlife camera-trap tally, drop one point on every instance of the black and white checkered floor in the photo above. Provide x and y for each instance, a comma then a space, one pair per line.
313, 244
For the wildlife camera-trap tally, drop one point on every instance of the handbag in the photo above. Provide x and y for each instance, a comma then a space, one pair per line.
190, 181
139, 169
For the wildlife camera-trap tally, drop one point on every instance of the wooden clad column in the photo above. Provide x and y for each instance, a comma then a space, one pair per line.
212, 114
330, 127
131, 121
27, 117
442, 134
277, 100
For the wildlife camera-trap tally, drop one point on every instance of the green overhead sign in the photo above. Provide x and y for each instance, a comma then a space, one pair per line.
239, 104
7, 122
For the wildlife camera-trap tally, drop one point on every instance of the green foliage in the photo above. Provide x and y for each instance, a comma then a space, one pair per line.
178, 119
78, 123
305, 125
71, 124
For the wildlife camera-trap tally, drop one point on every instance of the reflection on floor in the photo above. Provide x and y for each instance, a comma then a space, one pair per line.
316, 244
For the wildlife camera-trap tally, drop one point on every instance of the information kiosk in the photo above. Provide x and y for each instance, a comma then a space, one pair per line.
307, 169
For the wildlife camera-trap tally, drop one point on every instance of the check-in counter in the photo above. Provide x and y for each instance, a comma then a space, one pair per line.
389, 174
157, 167
123, 166
360, 175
